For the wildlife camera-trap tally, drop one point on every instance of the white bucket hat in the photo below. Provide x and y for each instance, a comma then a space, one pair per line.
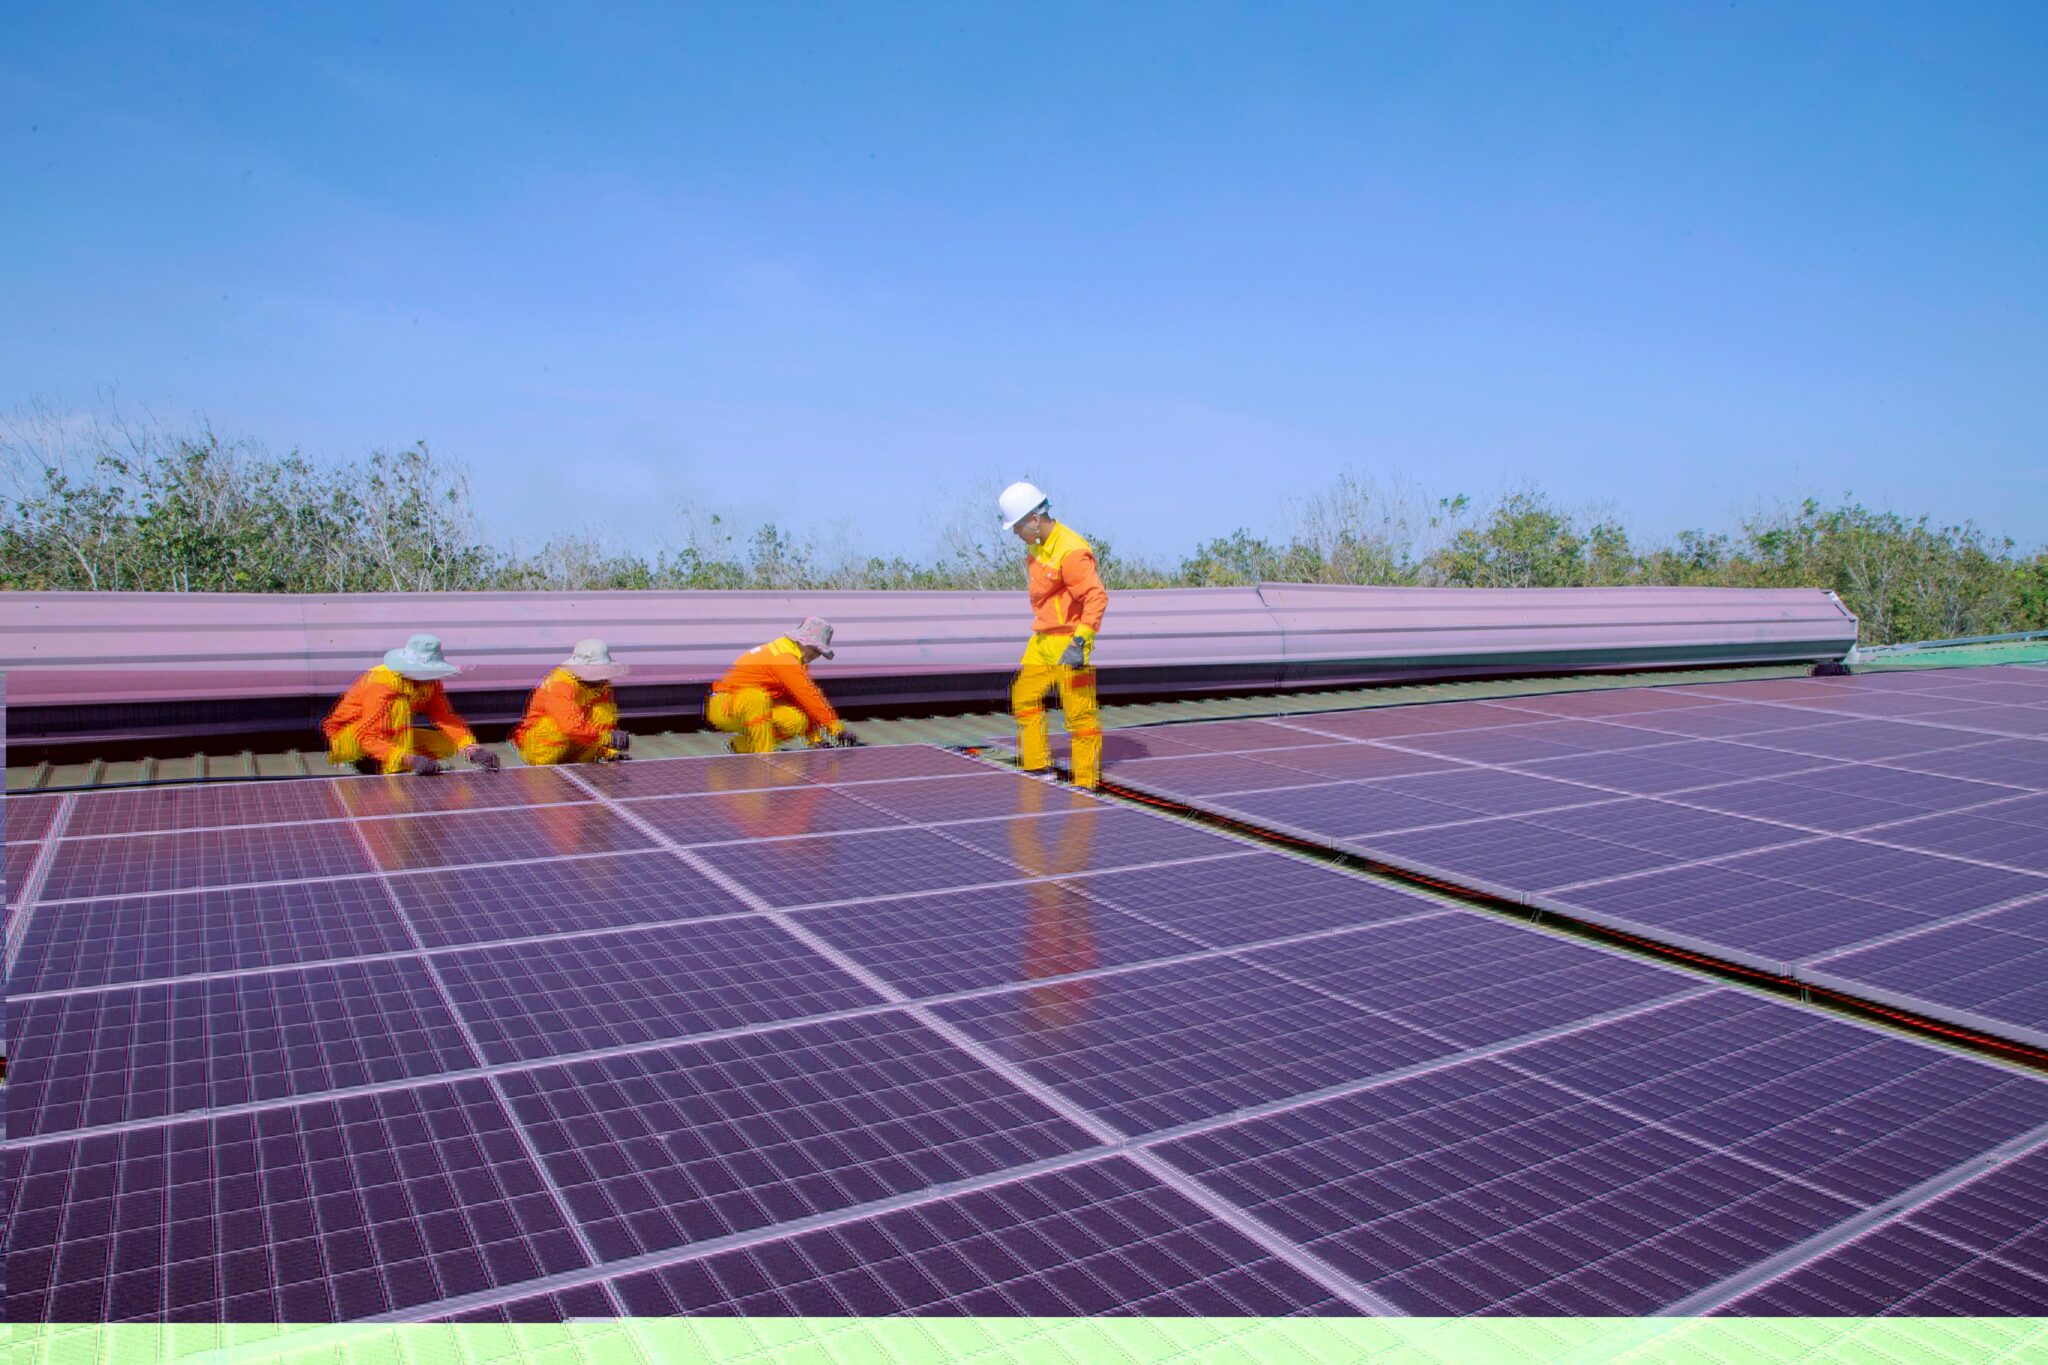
420, 660
592, 662
816, 633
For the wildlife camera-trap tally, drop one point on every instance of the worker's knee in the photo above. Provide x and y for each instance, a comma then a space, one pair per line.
788, 721
432, 743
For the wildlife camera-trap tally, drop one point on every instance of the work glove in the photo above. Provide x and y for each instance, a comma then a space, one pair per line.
618, 739
423, 766
1077, 653
846, 739
482, 757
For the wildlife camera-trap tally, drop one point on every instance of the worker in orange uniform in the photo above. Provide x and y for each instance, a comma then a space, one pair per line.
372, 728
1067, 602
572, 717
768, 696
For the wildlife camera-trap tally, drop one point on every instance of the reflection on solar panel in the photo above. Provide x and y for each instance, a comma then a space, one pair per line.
1861, 833
896, 1031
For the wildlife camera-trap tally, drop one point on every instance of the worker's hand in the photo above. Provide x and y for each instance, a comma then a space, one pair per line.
618, 739
1077, 652
849, 740
482, 757
423, 766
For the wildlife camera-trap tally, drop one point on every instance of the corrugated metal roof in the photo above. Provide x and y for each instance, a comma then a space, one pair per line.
990, 727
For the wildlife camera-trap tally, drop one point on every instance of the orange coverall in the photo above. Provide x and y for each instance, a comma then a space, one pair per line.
374, 721
753, 699
567, 721
1067, 600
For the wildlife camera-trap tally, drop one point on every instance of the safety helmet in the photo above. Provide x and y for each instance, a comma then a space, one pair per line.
1019, 501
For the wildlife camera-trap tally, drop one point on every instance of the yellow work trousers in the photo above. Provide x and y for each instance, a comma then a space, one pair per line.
753, 715
1040, 672
347, 749
544, 745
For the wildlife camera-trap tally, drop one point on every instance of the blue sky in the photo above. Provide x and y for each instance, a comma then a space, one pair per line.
845, 265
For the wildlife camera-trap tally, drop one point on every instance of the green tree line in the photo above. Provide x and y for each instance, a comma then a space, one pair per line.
107, 505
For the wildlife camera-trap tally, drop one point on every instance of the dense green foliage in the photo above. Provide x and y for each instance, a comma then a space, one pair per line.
109, 506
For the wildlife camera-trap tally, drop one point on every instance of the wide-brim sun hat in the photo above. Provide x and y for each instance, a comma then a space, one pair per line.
420, 659
816, 633
592, 661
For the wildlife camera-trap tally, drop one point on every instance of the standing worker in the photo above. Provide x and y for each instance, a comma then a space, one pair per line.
767, 696
572, 717
1067, 602
372, 727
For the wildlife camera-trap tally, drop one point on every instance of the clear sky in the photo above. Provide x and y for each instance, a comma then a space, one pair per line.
1175, 261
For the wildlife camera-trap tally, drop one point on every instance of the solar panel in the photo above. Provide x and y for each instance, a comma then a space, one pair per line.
1717, 826
671, 1037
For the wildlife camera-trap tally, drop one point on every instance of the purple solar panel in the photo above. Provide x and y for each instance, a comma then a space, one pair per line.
1756, 920
1358, 762
302, 1213
222, 857
875, 765
1923, 882
21, 860
1633, 773
1612, 1171
1730, 721
1736, 759
980, 797
1664, 827
367, 797
835, 867
1511, 855
2015, 762
1240, 736
1505, 744
1210, 773
1255, 899
145, 810
1616, 701
29, 817
1091, 841
1980, 1250
1341, 810
688, 776
1160, 1046
529, 1001
1472, 981
1978, 973
1868, 739
482, 904
566, 1305
89, 1058
731, 817
1787, 802
663, 1148
2008, 843
502, 836
142, 938
1391, 722
1490, 792
1097, 1239
1000, 936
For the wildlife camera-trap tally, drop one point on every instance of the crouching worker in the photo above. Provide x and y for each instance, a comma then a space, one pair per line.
572, 717
768, 696
377, 727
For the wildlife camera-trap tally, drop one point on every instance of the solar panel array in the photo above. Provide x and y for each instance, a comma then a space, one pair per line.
892, 1031
1882, 835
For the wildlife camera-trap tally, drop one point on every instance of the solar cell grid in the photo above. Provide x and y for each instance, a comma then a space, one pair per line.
1903, 1271
1666, 827
1091, 841
82, 868
1253, 899
146, 810
481, 904
1488, 792
2014, 762
980, 797
1987, 840
1632, 773
1239, 736
1101, 1238
408, 842
1512, 855
1157, 1047
583, 1301
731, 817
688, 776
29, 817
835, 867
1471, 981
1737, 759
1729, 720
1503, 744
113, 942
971, 940
21, 859
1341, 810
1358, 762
2030, 721
876, 764
302, 1213
1616, 701
546, 999
1208, 773
370, 797
1977, 973
662, 1148
1394, 722
1868, 739
1910, 880
117, 1056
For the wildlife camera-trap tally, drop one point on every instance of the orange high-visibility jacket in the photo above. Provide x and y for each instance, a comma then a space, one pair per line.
378, 709
777, 668
1066, 592
573, 705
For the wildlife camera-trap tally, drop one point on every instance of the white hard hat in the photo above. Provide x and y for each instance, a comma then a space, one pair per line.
1019, 501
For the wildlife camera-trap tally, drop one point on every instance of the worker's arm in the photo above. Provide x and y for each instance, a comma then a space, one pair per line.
796, 682
438, 710
576, 724
1079, 578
